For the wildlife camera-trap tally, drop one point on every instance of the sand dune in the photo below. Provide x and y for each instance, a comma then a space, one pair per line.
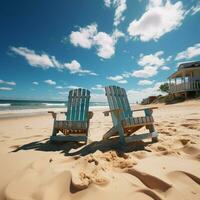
34, 169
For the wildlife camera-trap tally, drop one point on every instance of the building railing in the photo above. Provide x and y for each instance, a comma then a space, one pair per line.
183, 87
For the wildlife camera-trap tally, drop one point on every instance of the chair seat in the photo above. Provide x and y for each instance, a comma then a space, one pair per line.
71, 125
137, 121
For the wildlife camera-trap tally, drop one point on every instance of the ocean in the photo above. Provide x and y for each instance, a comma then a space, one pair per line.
29, 104
17, 108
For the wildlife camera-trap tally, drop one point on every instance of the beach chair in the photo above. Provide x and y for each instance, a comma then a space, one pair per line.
76, 125
124, 124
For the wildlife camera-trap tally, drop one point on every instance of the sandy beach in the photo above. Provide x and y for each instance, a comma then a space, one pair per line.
32, 168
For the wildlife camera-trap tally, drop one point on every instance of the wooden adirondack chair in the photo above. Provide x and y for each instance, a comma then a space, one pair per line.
124, 124
76, 125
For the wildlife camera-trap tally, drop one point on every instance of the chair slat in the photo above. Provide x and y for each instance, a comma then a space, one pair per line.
117, 99
78, 105
69, 106
86, 107
81, 117
78, 101
112, 102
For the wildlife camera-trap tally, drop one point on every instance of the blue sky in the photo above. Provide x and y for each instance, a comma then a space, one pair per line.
48, 47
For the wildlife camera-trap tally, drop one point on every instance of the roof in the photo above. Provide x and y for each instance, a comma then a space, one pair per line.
185, 67
189, 65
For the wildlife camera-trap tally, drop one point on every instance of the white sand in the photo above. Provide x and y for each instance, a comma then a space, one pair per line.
33, 168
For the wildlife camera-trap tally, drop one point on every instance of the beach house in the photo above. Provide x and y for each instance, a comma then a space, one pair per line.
186, 80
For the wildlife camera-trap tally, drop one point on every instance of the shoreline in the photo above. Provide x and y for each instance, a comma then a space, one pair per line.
10, 114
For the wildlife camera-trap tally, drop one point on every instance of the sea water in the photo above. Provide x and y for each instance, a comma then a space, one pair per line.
22, 107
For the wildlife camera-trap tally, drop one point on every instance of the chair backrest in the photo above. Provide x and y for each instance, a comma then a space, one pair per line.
78, 105
117, 99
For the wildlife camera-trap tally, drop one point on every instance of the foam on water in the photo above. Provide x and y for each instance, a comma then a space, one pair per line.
54, 104
5, 104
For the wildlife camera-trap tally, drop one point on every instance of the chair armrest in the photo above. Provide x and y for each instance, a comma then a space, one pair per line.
54, 114
147, 111
115, 111
63, 113
151, 108
90, 114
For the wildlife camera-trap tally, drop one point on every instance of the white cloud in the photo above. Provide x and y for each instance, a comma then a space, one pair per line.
145, 82
89, 37
165, 68
98, 97
139, 94
36, 60
190, 52
75, 67
73, 87
59, 87
126, 74
120, 6
65, 94
35, 83
154, 3
50, 82
168, 58
160, 18
105, 45
84, 37
146, 72
122, 81
98, 87
195, 9
152, 59
107, 3
44, 61
5, 88
8, 82
150, 63
118, 79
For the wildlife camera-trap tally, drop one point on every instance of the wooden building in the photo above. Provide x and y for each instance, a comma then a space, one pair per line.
186, 79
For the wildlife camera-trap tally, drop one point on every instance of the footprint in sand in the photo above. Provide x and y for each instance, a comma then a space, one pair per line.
5, 136
173, 129
179, 174
194, 113
191, 126
193, 119
165, 133
191, 150
150, 193
188, 181
169, 125
184, 141
150, 181
161, 148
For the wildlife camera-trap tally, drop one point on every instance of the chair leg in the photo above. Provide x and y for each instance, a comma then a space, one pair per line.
154, 139
54, 132
152, 130
112, 132
121, 135
148, 112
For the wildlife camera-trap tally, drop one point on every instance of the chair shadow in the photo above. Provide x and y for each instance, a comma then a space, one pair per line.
82, 149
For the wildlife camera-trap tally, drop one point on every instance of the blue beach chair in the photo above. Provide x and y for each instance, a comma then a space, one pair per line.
124, 124
76, 125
